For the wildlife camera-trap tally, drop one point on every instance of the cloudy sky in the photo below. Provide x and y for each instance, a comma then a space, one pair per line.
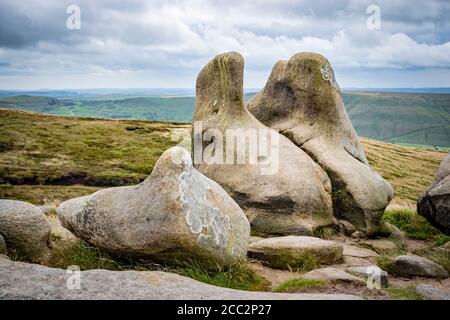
142, 44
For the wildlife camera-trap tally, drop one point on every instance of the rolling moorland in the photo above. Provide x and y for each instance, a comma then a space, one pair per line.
46, 157
417, 119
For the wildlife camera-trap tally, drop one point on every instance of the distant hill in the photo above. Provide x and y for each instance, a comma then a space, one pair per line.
406, 118
414, 118
45, 158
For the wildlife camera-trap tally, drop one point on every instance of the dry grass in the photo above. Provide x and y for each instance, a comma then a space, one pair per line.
409, 170
44, 156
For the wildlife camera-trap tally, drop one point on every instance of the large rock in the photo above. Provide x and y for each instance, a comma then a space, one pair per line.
30, 281
175, 214
303, 100
3, 249
295, 251
415, 266
283, 191
432, 293
25, 230
434, 203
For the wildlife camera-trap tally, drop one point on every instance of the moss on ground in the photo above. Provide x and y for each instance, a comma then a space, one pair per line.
295, 285
414, 225
405, 293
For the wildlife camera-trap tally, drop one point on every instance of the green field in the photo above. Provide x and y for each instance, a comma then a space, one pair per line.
419, 119
45, 158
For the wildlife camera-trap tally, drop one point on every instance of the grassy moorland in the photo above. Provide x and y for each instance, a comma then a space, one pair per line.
402, 118
45, 158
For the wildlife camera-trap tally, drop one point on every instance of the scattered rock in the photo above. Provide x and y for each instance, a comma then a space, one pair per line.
381, 246
434, 203
31, 281
333, 274
373, 272
358, 252
302, 99
284, 192
254, 239
395, 234
175, 214
432, 293
346, 227
415, 266
293, 251
3, 249
25, 230
3, 256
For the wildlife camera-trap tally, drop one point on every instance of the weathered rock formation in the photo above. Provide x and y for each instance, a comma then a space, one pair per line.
302, 99
294, 198
295, 251
25, 230
175, 214
434, 204
31, 281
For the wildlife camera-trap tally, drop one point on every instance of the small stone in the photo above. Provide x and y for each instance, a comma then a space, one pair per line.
333, 274
358, 252
291, 251
415, 266
3, 249
381, 246
373, 272
432, 293
346, 227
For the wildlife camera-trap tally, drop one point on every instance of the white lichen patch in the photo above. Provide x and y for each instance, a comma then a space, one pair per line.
328, 74
204, 220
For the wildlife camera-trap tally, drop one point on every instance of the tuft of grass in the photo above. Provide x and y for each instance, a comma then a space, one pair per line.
236, 276
325, 233
83, 255
405, 293
294, 285
440, 240
414, 225
384, 261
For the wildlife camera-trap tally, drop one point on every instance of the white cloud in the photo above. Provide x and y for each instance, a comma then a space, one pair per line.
160, 43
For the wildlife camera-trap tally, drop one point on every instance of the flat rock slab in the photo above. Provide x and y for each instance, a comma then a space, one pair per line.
32, 281
354, 251
333, 274
292, 251
377, 275
381, 246
415, 266
432, 293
